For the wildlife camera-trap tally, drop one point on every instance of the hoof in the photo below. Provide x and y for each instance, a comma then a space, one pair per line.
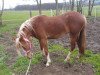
29, 55
67, 60
48, 63
78, 57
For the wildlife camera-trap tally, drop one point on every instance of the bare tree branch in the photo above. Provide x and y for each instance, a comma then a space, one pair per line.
72, 2
91, 4
57, 11
39, 6
1, 13
72, 6
2, 8
79, 6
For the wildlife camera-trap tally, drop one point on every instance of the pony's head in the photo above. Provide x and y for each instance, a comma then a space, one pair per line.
22, 42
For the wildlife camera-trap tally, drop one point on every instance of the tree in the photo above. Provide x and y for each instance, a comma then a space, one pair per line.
30, 10
72, 3
79, 6
91, 4
57, 11
64, 5
1, 12
39, 6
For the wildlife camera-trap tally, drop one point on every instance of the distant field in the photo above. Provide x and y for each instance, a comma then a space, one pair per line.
12, 15
17, 17
95, 12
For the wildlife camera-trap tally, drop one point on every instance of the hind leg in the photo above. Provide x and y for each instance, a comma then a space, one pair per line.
73, 39
81, 42
81, 47
43, 45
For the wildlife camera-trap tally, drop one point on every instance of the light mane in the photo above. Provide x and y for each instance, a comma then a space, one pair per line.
27, 25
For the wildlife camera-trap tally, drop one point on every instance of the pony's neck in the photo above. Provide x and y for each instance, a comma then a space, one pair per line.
27, 33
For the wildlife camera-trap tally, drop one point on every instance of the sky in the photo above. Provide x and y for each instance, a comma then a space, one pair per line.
12, 3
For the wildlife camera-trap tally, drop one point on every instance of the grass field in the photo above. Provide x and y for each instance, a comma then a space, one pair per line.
12, 21
13, 15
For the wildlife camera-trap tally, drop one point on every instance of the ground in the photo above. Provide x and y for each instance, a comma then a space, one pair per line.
57, 67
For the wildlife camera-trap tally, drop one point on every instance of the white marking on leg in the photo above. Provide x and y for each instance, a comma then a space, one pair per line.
68, 56
48, 60
78, 56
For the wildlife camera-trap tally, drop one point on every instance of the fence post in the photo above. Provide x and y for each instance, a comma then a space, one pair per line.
95, 14
51, 12
30, 12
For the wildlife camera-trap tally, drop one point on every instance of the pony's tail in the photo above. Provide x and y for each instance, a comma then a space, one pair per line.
82, 41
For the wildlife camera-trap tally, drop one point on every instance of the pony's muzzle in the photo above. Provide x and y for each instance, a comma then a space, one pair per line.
29, 54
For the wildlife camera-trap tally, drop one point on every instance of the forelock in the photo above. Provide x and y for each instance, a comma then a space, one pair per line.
18, 45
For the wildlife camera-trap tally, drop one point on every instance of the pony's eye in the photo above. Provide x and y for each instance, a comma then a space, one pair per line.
23, 47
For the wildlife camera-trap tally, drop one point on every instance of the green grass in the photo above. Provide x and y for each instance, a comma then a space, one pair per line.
21, 15
95, 12
4, 70
56, 47
3, 54
89, 57
22, 63
93, 59
9, 29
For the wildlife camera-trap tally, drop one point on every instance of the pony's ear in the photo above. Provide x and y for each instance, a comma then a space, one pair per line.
24, 29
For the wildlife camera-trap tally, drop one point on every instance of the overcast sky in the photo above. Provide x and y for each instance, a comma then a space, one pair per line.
13, 3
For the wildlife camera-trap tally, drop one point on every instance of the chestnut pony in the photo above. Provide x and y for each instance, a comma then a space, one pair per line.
44, 28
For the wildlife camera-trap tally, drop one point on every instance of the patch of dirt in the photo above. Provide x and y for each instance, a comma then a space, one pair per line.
9, 47
93, 35
60, 68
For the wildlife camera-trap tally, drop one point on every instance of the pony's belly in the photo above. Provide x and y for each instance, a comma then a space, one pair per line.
55, 36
